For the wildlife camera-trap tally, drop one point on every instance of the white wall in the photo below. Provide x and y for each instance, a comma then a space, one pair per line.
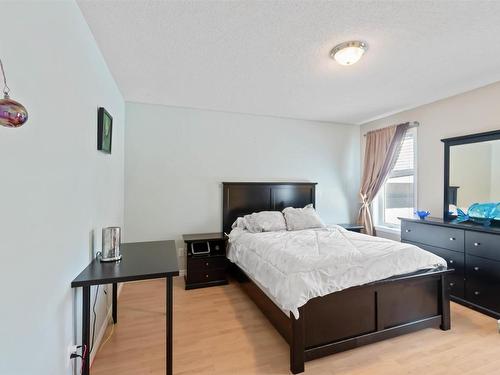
176, 159
57, 191
472, 112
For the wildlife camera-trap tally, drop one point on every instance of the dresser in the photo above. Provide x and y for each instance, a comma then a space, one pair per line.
472, 250
205, 260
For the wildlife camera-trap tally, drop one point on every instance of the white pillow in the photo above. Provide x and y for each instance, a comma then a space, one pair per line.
239, 223
264, 221
302, 218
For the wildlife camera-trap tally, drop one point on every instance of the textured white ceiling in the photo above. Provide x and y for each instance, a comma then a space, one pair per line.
272, 57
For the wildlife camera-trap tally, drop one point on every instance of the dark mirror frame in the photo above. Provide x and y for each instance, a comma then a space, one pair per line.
455, 141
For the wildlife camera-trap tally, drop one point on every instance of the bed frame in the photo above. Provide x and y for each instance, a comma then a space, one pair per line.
346, 319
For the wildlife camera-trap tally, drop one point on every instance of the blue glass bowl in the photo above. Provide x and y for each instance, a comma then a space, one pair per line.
422, 214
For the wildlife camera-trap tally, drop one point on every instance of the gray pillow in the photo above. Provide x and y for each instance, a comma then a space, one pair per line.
302, 218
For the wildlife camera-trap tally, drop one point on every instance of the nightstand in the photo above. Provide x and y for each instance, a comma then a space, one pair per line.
205, 259
352, 227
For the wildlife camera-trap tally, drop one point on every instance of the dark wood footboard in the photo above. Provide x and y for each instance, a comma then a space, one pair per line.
358, 316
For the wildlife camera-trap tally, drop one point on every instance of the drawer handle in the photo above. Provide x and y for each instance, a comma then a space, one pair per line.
206, 276
206, 264
476, 293
452, 284
452, 238
476, 268
451, 261
477, 244
408, 230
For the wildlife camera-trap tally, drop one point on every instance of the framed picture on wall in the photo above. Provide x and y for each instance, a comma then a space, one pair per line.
104, 130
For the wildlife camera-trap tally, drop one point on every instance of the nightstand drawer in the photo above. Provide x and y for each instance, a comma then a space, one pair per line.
206, 276
482, 245
206, 263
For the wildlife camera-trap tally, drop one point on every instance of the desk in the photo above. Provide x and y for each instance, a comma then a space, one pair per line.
141, 261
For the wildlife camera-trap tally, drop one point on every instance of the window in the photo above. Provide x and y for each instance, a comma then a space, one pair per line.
397, 197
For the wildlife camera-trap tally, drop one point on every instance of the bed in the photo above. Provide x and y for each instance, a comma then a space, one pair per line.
344, 319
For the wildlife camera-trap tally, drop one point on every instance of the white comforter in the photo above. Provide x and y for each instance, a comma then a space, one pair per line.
296, 266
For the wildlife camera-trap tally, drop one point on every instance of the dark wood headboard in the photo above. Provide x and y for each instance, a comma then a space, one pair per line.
243, 198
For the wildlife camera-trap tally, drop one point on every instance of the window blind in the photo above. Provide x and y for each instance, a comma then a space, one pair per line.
406, 160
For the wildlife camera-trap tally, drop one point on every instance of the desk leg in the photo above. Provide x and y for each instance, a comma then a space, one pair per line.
169, 309
86, 328
115, 303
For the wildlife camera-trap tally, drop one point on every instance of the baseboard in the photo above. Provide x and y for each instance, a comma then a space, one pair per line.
102, 329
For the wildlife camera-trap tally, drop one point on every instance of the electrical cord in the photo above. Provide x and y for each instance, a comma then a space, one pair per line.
85, 352
83, 357
95, 318
109, 336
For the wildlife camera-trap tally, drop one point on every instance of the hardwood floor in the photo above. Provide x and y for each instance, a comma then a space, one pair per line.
219, 330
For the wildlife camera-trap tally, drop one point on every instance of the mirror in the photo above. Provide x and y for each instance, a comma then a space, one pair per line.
473, 171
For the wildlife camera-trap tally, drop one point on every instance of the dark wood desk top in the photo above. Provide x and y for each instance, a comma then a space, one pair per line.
141, 261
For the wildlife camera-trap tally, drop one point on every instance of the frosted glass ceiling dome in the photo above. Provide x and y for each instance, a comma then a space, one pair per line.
348, 53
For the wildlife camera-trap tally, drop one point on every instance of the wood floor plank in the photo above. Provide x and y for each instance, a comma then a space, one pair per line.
219, 330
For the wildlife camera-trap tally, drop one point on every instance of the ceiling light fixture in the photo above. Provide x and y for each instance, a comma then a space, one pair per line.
348, 53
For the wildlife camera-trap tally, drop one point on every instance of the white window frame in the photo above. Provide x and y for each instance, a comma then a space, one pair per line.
378, 202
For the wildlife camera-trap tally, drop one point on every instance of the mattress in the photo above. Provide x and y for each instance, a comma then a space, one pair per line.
292, 267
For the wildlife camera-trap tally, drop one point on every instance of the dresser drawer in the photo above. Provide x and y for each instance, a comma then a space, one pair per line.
206, 276
482, 245
206, 263
483, 282
444, 237
455, 260
456, 285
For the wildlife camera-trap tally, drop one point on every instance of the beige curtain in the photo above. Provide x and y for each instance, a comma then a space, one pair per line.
381, 152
